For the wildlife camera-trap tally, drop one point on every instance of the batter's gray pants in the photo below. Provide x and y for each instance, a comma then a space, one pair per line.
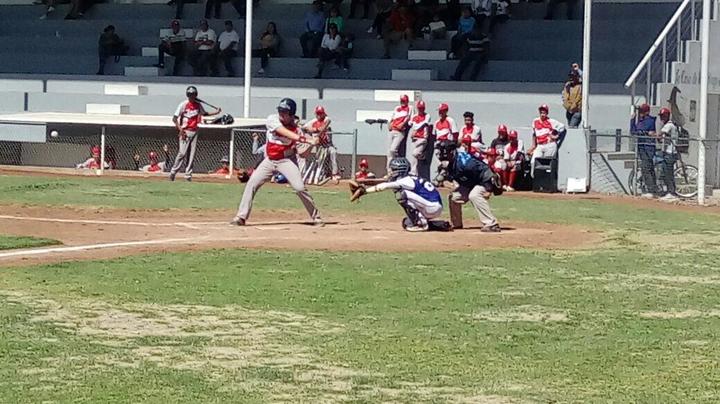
475, 195
186, 154
263, 173
396, 139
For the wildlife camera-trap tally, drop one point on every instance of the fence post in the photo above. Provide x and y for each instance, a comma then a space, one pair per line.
102, 150
231, 157
635, 171
592, 146
354, 154
618, 140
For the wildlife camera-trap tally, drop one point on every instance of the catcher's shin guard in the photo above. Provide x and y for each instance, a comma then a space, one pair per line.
415, 217
455, 213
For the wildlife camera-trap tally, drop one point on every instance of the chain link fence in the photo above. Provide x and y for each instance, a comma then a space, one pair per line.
131, 149
620, 164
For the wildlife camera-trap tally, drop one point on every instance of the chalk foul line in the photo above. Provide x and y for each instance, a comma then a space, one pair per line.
51, 250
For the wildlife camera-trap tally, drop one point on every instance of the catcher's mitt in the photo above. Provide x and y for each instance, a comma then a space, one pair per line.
356, 190
243, 176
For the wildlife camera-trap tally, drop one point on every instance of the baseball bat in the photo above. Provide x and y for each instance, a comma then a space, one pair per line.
206, 103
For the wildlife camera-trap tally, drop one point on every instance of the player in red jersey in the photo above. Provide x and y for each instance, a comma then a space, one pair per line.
282, 136
513, 155
445, 128
320, 127
420, 127
546, 135
398, 127
187, 120
364, 173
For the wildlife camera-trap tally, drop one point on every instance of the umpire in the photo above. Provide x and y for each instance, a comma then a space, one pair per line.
476, 183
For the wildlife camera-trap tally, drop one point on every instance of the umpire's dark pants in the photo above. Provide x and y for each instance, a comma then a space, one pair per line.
646, 154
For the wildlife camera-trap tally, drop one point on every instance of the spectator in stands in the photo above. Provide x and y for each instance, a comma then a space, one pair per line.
50, 8
502, 13
642, 126
436, 28
174, 45
329, 50
77, 9
347, 45
335, 18
477, 48
269, 46
355, 3
314, 30
551, 4
384, 8
576, 68
400, 26
482, 10
572, 99
203, 52
110, 44
228, 46
424, 11
450, 12
465, 27
213, 5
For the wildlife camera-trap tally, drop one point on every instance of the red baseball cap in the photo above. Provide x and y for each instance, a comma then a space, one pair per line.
404, 99
420, 105
319, 110
443, 107
502, 129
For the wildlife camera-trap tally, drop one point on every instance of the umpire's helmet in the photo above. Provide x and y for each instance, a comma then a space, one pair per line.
446, 150
399, 168
287, 104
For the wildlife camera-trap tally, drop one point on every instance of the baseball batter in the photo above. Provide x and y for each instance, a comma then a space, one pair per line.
476, 183
420, 128
419, 198
398, 127
282, 135
187, 119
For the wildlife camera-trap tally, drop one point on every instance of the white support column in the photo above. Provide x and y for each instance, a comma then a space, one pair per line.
102, 150
586, 65
231, 157
704, 64
248, 57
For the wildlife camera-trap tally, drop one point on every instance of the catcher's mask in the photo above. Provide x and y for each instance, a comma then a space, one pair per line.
224, 119
399, 168
446, 150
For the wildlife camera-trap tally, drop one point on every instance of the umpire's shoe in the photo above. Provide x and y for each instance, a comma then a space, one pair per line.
491, 229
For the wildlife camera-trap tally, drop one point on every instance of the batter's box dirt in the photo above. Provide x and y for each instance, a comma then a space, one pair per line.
106, 233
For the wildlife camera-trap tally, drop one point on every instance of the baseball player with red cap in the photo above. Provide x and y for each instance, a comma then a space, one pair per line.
282, 136
398, 127
546, 135
92, 163
513, 156
420, 132
364, 173
445, 128
187, 120
320, 127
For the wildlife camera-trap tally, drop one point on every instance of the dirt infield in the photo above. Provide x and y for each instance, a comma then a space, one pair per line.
92, 233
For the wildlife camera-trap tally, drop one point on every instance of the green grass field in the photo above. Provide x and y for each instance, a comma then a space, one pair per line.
634, 319
11, 242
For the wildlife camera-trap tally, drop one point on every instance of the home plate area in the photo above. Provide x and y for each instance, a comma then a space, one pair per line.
104, 233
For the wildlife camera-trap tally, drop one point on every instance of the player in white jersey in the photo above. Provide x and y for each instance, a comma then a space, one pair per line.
419, 198
398, 127
420, 128
472, 131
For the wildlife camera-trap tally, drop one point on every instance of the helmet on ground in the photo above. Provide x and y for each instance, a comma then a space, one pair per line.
280, 179
443, 107
319, 110
404, 99
446, 149
420, 105
364, 163
513, 134
152, 155
287, 105
545, 108
664, 112
644, 108
191, 90
225, 159
502, 129
399, 168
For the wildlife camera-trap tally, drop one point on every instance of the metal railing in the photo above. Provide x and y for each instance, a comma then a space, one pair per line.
654, 67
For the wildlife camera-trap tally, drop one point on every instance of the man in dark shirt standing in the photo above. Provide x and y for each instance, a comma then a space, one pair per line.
477, 45
642, 127
314, 30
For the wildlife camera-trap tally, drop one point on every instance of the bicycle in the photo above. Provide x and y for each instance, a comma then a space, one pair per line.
686, 176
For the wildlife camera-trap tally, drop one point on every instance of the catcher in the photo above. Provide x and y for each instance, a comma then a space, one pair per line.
418, 197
